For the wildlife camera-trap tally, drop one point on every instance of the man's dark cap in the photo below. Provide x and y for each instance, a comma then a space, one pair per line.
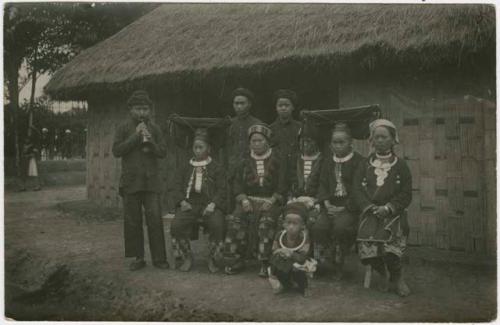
139, 97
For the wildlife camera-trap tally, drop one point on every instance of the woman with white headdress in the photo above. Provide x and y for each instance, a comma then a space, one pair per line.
382, 190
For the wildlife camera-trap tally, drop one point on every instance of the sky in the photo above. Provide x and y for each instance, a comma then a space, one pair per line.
25, 93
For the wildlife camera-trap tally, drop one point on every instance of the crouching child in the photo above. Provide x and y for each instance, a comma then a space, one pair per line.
290, 265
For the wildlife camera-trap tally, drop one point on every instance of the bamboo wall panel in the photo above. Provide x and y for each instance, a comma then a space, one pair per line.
450, 147
490, 186
427, 193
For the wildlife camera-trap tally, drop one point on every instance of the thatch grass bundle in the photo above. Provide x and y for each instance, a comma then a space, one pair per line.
176, 40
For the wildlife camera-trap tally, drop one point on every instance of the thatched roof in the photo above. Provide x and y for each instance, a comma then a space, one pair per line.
178, 39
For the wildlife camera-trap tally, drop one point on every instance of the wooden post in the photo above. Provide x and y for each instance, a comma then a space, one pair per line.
167, 222
368, 276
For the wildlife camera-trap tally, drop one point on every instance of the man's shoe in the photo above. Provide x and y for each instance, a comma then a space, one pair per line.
137, 265
161, 265
230, 271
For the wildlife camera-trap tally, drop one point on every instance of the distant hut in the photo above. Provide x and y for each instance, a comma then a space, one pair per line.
417, 61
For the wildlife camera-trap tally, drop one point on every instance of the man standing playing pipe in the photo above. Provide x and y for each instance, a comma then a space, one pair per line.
139, 143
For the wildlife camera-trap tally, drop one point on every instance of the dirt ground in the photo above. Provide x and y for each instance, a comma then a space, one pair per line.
64, 261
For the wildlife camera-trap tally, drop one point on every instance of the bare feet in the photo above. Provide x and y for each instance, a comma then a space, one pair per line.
384, 284
263, 271
338, 274
187, 264
402, 288
211, 266
275, 285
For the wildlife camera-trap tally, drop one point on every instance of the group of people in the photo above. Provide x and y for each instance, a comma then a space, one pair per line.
62, 145
280, 199
42, 146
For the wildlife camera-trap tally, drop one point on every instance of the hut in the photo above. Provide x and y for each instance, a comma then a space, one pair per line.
431, 68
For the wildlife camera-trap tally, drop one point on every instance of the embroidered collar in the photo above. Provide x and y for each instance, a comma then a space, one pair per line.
388, 156
382, 168
343, 159
378, 163
202, 163
261, 157
308, 158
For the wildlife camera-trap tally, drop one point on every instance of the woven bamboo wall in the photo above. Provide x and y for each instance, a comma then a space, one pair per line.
449, 145
103, 170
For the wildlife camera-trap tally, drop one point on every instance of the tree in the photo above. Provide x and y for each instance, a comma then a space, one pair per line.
47, 35
20, 26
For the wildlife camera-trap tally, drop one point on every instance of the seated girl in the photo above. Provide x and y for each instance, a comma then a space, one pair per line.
259, 187
382, 189
201, 196
305, 173
334, 232
290, 265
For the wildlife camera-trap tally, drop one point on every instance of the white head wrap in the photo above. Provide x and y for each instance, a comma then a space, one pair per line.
383, 122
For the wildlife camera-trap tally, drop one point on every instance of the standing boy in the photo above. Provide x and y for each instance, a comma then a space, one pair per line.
139, 143
285, 129
238, 136
237, 139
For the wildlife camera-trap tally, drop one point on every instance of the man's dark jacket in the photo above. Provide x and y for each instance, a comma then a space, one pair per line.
140, 170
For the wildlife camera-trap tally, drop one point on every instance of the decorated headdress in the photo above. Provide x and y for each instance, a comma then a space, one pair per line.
385, 123
308, 130
286, 93
243, 92
298, 208
261, 129
139, 97
201, 134
342, 127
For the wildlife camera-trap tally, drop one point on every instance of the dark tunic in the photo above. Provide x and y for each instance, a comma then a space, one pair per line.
45, 141
328, 181
285, 138
213, 188
140, 170
237, 140
246, 182
395, 192
300, 187
396, 189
